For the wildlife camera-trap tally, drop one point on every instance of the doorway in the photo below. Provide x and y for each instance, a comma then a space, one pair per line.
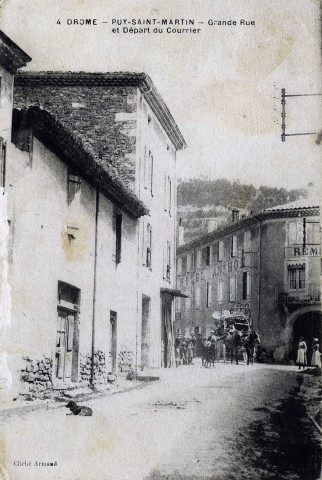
307, 326
167, 340
65, 345
113, 340
65, 370
145, 332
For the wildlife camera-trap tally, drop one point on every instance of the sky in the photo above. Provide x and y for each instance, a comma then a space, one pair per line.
222, 85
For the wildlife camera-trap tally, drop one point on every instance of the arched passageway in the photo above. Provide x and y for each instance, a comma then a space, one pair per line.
308, 326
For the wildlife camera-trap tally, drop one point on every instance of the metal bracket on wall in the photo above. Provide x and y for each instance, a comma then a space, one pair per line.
283, 114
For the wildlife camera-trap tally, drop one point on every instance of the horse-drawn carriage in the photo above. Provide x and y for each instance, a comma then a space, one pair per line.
238, 337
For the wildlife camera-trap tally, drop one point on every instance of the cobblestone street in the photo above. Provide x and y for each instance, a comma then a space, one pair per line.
219, 423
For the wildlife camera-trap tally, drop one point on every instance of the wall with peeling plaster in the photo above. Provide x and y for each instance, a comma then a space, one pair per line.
151, 137
42, 254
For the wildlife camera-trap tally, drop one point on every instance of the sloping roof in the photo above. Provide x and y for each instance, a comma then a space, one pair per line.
298, 204
303, 207
71, 150
140, 80
11, 56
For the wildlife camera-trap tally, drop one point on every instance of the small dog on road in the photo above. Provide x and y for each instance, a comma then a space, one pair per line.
79, 410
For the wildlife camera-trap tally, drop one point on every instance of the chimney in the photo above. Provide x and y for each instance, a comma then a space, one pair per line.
212, 224
180, 233
311, 193
235, 215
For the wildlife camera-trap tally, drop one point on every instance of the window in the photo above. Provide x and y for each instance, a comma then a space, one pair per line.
296, 277
168, 195
232, 288
246, 285
148, 248
247, 242
178, 305
184, 265
73, 187
2, 161
118, 236
179, 266
220, 251
148, 170
295, 232
198, 295
234, 246
208, 256
208, 294
188, 302
199, 254
220, 290
183, 304
189, 262
168, 262
312, 233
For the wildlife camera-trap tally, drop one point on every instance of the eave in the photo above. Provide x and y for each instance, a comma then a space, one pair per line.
71, 151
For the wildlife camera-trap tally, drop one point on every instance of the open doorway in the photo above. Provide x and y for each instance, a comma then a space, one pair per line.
145, 331
307, 326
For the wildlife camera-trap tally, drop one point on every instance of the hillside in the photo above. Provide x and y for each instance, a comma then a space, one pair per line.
201, 200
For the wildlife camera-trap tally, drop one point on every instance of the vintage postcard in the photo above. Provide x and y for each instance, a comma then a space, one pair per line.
160, 240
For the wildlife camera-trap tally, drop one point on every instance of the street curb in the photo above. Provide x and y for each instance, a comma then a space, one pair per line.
55, 404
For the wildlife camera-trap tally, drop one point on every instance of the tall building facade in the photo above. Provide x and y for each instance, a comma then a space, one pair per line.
91, 202
266, 266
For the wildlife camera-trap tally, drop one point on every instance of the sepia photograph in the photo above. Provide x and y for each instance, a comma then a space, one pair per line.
160, 240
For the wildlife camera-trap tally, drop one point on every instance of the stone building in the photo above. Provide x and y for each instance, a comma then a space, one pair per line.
91, 202
266, 266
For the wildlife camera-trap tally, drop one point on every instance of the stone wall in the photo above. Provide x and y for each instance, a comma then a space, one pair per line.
36, 378
103, 117
125, 360
100, 373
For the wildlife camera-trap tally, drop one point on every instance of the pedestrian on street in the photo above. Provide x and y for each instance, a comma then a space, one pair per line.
301, 353
316, 356
190, 348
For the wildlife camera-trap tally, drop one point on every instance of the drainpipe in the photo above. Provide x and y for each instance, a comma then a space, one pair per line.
94, 288
259, 274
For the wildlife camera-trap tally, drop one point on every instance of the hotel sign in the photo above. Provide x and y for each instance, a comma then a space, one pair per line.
227, 267
300, 251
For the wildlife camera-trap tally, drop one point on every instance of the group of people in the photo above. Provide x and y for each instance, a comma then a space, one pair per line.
212, 350
185, 349
301, 359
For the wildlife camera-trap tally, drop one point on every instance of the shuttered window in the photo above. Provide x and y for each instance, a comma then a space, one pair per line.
220, 251
2, 162
246, 285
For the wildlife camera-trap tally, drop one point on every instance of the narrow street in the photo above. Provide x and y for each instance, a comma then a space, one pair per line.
228, 422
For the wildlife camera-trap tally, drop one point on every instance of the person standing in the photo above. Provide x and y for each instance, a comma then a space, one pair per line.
301, 353
316, 355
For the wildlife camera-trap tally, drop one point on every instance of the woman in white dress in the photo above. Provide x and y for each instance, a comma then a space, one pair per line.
316, 356
301, 353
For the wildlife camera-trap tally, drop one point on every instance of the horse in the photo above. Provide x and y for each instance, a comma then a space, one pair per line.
233, 341
250, 344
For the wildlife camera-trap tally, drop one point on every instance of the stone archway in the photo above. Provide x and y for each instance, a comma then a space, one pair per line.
306, 322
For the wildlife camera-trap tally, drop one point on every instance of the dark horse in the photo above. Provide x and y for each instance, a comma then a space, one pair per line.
233, 341
250, 344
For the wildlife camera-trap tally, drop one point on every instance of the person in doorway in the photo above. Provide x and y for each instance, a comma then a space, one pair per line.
301, 353
316, 355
